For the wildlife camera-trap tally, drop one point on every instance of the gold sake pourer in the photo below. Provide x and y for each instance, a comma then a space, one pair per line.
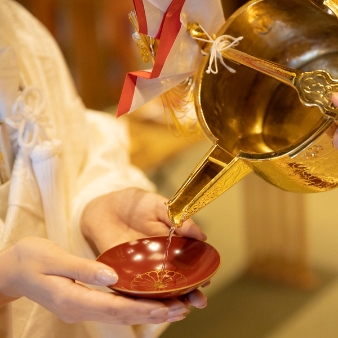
298, 80
261, 125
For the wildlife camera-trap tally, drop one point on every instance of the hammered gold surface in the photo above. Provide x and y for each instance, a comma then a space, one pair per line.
227, 178
259, 122
215, 174
314, 88
314, 169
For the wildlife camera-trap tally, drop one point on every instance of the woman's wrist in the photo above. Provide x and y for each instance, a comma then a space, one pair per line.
8, 265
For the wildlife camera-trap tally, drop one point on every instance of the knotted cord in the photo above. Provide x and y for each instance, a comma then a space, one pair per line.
27, 117
218, 46
30, 120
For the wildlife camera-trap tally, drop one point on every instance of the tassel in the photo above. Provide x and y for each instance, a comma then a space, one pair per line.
46, 164
178, 102
29, 119
179, 108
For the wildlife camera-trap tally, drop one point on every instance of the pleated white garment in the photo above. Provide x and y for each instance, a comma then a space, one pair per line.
64, 156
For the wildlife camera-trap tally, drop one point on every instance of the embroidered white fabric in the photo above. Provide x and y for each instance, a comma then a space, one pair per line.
59, 146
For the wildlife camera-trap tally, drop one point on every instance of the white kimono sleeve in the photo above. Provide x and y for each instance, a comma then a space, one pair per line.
107, 169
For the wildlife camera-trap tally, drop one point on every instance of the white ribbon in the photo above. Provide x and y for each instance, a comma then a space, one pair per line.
27, 117
30, 119
218, 46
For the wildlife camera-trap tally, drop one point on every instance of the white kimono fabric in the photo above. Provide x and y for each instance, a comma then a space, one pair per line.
64, 156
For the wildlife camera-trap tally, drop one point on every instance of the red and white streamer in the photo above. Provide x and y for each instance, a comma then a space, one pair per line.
178, 55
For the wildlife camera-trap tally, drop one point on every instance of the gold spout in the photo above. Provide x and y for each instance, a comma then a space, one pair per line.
216, 173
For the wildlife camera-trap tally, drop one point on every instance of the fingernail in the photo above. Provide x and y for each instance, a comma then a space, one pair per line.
202, 306
335, 139
206, 284
175, 319
160, 312
107, 276
204, 236
178, 312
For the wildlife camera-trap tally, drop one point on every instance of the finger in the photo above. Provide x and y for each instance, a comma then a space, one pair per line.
191, 229
197, 299
335, 139
81, 269
80, 303
176, 304
207, 283
90, 272
335, 103
335, 99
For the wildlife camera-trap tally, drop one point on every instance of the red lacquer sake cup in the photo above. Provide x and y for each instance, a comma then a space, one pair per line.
139, 265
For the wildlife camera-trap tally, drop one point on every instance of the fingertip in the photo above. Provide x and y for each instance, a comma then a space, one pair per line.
191, 229
335, 139
197, 299
335, 99
203, 236
106, 276
175, 319
206, 284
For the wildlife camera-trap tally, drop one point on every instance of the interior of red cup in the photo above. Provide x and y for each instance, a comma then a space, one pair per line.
139, 265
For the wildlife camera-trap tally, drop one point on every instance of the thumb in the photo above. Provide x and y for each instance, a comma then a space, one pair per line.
335, 99
335, 103
86, 271
191, 229
335, 139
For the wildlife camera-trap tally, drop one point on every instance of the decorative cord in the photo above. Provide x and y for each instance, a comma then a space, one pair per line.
27, 117
218, 46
